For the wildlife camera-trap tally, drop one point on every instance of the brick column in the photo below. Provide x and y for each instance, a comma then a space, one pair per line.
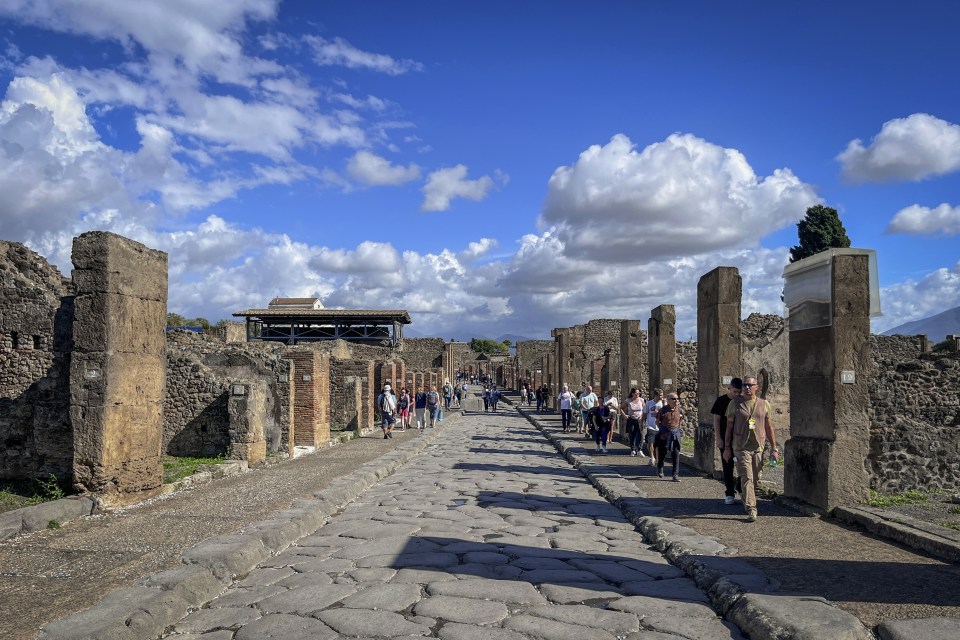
310, 397
118, 367
719, 355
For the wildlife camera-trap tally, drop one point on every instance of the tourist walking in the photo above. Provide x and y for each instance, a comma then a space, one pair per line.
447, 394
669, 423
719, 412
539, 395
650, 413
433, 405
458, 394
602, 417
403, 408
613, 405
565, 402
420, 407
632, 410
494, 398
387, 404
743, 441
587, 402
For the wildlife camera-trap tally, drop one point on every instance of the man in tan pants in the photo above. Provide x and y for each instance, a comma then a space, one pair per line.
744, 440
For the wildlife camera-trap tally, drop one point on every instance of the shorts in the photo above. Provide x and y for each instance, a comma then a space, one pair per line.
387, 420
651, 435
403, 413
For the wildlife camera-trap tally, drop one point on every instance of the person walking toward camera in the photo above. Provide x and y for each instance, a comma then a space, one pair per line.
632, 409
669, 423
651, 411
720, 422
748, 427
565, 402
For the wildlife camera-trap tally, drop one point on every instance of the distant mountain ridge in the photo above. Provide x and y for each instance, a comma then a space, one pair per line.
935, 327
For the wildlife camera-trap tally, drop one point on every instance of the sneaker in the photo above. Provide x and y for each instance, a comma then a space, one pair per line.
652, 462
676, 478
386, 437
604, 450
390, 434
660, 473
633, 453
641, 454
752, 516
728, 500
598, 447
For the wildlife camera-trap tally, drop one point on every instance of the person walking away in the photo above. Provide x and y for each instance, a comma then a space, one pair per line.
632, 410
387, 403
720, 422
403, 409
587, 401
650, 413
748, 427
565, 402
447, 395
610, 401
420, 407
669, 422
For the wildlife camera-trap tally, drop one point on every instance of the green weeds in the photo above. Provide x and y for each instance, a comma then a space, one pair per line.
30, 493
913, 496
178, 468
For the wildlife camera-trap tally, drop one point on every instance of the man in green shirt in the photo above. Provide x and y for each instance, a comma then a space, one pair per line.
748, 427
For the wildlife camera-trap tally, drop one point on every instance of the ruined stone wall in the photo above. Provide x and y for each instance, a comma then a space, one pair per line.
200, 369
598, 336
914, 417
686, 385
341, 410
424, 354
766, 355
36, 314
530, 354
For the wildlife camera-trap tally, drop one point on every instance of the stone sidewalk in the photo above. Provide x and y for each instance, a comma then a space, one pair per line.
488, 534
873, 578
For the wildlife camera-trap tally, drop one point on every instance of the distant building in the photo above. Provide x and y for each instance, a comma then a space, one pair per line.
295, 303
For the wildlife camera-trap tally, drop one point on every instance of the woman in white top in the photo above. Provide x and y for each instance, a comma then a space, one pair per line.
650, 412
611, 401
565, 401
632, 409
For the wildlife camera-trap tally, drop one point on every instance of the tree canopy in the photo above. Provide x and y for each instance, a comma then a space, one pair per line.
488, 346
819, 230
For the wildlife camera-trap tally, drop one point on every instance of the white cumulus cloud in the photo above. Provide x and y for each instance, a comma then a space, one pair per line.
681, 196
371, 169
339, 52
443, 185
917, 219
912, 148
915, 299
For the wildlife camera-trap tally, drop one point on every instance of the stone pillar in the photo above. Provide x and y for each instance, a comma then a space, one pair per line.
550, 373
596, 375
235, 332
631, 357
310, 397
662, 349
719, 355
353, 404
449, 362
829, 402
246, 408
118, 367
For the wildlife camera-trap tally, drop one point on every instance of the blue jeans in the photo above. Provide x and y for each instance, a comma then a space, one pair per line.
602, 433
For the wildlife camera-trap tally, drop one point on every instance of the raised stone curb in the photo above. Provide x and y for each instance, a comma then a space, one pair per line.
741, 593
165, 597
936, 540
39, 516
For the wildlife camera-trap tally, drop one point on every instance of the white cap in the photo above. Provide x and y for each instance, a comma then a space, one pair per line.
386, 387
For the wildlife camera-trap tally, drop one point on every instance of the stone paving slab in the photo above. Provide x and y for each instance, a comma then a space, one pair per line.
473, 581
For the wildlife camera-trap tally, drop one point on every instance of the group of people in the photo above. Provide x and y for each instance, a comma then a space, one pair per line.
423, 405
491, 397
741, 420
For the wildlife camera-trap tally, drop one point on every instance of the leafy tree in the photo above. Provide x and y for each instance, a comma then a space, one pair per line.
508, 343
203, 323
819, 230
175, 320
490, 347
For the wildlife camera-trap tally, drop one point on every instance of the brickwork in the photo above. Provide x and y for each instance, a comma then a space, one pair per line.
36, 314
341, 410
311, 393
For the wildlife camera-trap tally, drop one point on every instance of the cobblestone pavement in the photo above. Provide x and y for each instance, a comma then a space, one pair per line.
487, 535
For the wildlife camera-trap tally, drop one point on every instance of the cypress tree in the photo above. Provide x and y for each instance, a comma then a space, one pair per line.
819, 230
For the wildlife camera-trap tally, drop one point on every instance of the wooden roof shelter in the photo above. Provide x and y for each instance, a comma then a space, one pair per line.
293, 325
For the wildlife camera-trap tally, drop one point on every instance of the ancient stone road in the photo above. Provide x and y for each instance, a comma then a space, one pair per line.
487, 535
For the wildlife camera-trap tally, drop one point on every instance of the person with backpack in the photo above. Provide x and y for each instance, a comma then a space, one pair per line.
387, 405
420, 407
669, 422
447, 395
403, 409
433, 405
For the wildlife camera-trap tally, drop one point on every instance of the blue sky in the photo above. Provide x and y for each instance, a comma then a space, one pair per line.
493, 167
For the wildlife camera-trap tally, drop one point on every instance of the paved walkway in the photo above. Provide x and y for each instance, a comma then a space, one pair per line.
873, 578
50, 574
487, 535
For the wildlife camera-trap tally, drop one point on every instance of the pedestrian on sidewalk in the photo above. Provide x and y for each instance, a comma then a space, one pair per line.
420, 407
632, 410
602, 417
433, 405
458, 394
387, 404
744, 442
613, 405
539, 395
565, 402
650, 413
587, 402
447, 394
494, 397
403, 408
669, 423
486, 399
719, 412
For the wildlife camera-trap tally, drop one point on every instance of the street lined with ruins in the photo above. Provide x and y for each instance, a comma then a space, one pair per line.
489, 533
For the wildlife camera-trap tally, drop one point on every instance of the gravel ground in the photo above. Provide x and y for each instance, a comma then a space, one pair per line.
872, 578
50, 574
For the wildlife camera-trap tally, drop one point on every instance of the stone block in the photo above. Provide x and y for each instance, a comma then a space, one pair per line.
120, 324
108, 263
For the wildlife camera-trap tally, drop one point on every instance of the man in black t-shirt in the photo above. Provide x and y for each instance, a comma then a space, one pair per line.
719, 412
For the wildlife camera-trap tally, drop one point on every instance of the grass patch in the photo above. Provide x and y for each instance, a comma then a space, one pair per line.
27, 494
686, 444
178, 468
914, 496
951, 525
